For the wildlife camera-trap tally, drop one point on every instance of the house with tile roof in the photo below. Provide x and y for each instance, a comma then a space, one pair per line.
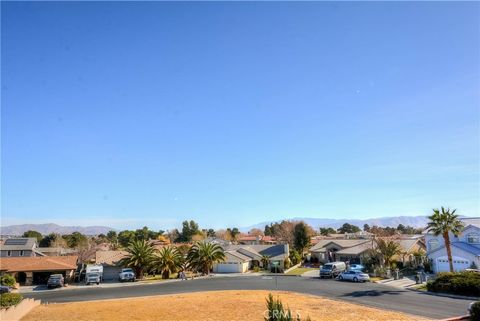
36, 270
465, 248
111, 262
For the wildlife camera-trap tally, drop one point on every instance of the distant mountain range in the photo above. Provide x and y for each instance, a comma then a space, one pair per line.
393, 221
53, 228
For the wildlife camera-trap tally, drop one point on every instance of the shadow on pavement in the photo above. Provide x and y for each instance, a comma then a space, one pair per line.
357, 294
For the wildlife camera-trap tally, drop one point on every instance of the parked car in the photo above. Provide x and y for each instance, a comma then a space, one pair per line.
355, 276
126, 275
93, 278
5, 289
55, 281
357, 267
332, 269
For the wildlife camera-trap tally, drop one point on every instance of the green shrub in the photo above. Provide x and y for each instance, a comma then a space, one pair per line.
276, 311
7, 280
462, 283
9, 299
256, 268
475, 311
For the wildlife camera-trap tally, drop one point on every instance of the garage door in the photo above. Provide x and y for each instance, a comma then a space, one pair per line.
459, 264
111, 272
228, 267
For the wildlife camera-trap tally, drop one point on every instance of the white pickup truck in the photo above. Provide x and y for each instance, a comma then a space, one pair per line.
126, 275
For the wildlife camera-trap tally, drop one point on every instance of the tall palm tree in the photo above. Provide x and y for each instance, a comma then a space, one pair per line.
168, 260
202, 256
387, 250
442, 223
140, 254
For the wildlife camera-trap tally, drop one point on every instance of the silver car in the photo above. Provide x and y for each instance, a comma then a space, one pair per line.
355, 276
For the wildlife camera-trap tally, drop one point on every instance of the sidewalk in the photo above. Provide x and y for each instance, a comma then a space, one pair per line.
400, 283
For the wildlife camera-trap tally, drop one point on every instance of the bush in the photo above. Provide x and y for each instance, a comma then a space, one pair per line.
475, 311
7, 280
256, 268
276, 312
462, 283
9, 299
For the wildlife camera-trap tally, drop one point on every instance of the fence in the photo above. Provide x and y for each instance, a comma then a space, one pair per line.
16, 312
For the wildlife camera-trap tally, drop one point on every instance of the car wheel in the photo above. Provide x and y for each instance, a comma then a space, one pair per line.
98, 283
355, 279
340, 278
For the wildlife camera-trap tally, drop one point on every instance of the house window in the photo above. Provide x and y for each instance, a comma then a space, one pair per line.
473, 238
433, 244
21, 253
9, 253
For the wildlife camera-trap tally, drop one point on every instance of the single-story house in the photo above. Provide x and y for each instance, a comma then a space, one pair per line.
241, 258
36, 270
111, 262
465, 248
330, 250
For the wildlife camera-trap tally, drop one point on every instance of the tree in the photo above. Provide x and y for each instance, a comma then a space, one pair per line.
233, 233
265, 261
140, 255
327, 231
443, 223
76, 240
401, 228
126, 237
387, 249
366, 227
301, 237
348, 228
211, 232
113, 239
255, 232
167, 261
189, 229
203, 255
34, 234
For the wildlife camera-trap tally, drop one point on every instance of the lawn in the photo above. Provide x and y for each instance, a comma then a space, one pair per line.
300, 271
212, 306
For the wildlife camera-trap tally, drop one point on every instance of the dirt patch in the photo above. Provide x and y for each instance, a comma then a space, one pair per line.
211, 306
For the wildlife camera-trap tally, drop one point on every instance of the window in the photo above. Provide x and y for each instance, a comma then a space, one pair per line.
473, 238
433, 244
9, 253
21, 253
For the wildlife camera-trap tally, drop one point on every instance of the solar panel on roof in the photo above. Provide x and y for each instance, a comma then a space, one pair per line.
16, 242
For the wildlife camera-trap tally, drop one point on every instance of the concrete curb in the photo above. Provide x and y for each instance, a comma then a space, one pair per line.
459, 318
446, 295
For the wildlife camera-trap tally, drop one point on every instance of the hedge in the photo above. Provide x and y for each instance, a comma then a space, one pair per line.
9, 299
475, 311
7, 280
461, 283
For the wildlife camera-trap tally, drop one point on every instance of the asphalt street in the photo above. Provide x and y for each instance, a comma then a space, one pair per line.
371, 294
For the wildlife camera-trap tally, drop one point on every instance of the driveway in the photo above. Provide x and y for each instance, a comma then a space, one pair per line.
370, 294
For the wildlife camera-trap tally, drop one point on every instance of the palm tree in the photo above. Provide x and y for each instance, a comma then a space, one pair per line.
442, 223
203, 255
168, 260
265, 261
140, 255
387, 249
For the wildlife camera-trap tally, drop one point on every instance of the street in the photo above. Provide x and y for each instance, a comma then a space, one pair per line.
371, 294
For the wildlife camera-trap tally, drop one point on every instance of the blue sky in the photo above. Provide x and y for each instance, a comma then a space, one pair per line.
126, 114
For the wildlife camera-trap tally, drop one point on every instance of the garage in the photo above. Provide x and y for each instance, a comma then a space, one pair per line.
459, 264
231, 267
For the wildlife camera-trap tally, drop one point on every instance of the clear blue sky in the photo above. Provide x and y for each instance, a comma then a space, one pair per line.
125, 114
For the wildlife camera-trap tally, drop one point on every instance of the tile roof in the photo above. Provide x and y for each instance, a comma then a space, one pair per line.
356, 249
38, 263
275, 252
112, 258
341, 243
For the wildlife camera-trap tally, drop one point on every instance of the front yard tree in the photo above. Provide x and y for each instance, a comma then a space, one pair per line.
387, 250
140, 255
442, 222
168, 260
301, 237
203, 255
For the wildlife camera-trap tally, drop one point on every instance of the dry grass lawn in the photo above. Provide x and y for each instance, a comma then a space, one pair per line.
212, 306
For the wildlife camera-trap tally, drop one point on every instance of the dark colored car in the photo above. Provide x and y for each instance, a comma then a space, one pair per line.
5, 289
55, 281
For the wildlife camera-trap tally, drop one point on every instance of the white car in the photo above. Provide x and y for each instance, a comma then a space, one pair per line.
355, 276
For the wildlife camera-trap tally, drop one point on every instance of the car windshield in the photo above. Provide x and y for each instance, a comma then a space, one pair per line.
55, 277
327, 267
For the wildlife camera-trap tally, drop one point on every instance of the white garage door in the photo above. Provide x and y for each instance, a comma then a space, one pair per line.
459, 264
229, 267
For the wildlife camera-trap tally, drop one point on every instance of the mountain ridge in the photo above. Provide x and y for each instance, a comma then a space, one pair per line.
48, 228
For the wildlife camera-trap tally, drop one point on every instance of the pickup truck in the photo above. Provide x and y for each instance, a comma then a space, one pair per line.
126, 275
92, 278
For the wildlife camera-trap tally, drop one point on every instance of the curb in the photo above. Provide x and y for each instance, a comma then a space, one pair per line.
459, 318
446, 295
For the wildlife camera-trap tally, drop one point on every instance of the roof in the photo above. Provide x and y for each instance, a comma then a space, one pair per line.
249, 238
275, 252
109, 257
319, 247
38, 263
462, 246
238, 255
357, 249
59, 250
18, 243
